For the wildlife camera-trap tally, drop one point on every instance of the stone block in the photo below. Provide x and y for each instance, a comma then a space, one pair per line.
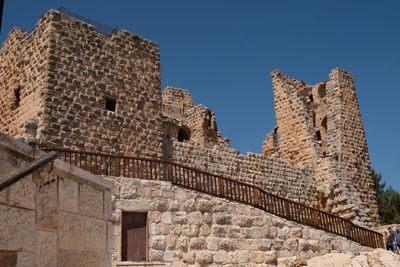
71, 231
204, 256
168, 256
26, 259
68, 194
155, 255
195, 218
46, 214
90, 201
3, 196
98, 259
212, 243
95, 234
22, 193
166, 217
4, 227
254, 232
197, 243
71, 258
190, 230
221, 257
171, 241
158, 242
46, 250
21, 229
135, 205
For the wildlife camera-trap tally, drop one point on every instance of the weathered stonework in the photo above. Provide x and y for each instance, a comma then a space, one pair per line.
66, 85
65, 72
188, 228
42, 221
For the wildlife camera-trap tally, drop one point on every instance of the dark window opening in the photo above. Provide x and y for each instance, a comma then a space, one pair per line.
314, 119
111, 104
318, 135
134, 236
17, 97
183, 134
276, 136
311, 98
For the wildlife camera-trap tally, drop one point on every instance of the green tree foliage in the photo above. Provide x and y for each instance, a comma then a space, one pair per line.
388, 201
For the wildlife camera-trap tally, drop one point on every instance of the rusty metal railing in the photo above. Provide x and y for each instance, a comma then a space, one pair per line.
152, 169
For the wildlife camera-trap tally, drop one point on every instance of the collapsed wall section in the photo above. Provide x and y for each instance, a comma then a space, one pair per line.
346, 143
273, 175
24, 62
296, 134
186, 122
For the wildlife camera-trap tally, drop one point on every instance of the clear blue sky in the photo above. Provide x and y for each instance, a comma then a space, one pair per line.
223, 52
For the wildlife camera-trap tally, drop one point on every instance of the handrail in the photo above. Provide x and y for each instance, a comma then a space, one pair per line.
216, 185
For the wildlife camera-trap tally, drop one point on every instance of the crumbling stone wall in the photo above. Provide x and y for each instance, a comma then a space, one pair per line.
98, 93
183, 121
322, 125
23, 76
57, 216
273, 175
346, 140
176, 101
296, 134
70, 75
187, 228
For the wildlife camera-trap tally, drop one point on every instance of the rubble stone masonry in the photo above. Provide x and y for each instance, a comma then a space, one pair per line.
71, 87
188, 228
88, 91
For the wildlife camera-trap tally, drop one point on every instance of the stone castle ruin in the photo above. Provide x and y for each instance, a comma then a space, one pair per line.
66, 86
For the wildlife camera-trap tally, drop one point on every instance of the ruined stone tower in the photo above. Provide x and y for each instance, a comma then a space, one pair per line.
69, 86
322, 125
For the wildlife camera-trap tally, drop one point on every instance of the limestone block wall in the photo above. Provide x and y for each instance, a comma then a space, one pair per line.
274, 175
187, 228
198, 122
348, 143
176, 101
270, 145
57, 216
203, 125
89, 69
24, 62
87, 91
297, 142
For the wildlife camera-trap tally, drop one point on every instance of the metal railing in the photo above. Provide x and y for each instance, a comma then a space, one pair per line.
100, 28
152, 169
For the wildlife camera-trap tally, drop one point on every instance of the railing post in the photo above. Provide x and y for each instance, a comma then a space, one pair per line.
255, 194
169, 172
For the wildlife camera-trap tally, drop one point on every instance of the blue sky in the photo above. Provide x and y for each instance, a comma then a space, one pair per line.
223, 52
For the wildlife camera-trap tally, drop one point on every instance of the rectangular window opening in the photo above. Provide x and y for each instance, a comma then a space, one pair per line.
111, 104
134, 236
17, 97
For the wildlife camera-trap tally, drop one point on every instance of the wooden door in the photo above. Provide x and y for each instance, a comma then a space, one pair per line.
134, 236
